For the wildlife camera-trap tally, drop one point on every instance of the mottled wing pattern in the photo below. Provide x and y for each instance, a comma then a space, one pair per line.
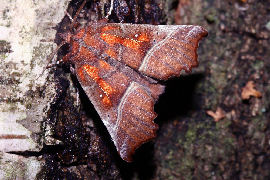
159, 51
125, 102
115, 64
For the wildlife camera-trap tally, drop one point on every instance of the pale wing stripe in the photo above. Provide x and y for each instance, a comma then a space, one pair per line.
184, 58
132, 87
157, 46
179, 49
180, 58
123, 148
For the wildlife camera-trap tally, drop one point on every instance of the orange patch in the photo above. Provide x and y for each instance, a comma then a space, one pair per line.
110, 39
92, 72
143, 37
113, 39
108, 90
104, 65
86, 53
106, 101
131, 43
105, 87
80, 34
92, 41
107, 28
111, 53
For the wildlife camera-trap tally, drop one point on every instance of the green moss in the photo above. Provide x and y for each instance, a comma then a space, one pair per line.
211, 16
258, 65
191, 135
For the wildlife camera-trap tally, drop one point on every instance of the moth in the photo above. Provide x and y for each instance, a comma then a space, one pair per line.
120, 67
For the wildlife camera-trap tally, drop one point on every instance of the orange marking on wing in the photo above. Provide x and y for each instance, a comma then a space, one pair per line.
86, 53
113, 39
143, 37
92, 72
80, 34
107, 28
131, 43
105, 87
104, 65
110, 39
106, 101
92, 41
108, 90
111, 53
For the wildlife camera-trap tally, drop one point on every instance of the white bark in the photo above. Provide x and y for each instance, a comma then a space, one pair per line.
26, 26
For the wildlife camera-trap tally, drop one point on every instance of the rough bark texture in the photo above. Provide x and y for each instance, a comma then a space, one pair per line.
192, 144
26, 39
231, 144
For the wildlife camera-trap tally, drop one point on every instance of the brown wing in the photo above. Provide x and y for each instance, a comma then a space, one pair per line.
111, 63
124, 100
157, 51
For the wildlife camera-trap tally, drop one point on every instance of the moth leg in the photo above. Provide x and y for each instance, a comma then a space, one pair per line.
50, 59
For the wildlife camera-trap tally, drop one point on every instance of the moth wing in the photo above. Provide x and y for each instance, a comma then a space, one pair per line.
159, 51
125, 102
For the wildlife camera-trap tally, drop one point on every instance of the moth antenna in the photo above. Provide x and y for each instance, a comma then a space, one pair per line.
110, 11
69, 16
50, 58
77, 14
64, 42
